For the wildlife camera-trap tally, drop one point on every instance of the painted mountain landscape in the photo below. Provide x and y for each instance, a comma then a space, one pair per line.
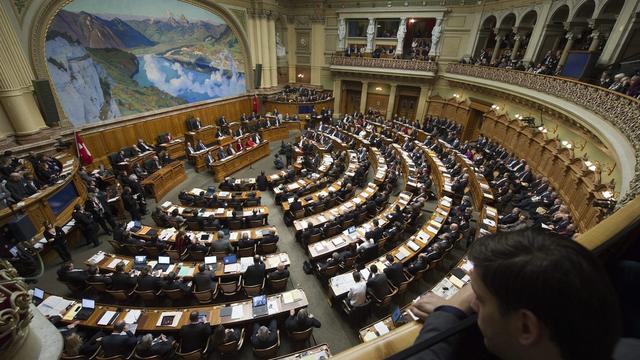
112, 58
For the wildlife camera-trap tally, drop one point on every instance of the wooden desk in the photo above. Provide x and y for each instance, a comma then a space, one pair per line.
315, 197
224, 214
206, 133
168, 235
226, 167
228, 195
165, 179
296, 299
175, 149
197, 158
274, 133
130, 163
190, 268
315, 352
488, 221
293, 125
224, 141
481, 192
324, 248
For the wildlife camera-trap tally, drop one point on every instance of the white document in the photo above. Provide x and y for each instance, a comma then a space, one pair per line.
106, 318
489, 222
53, 305
273, 305
96, 258
237, 312
381, 328
229, 268
432, 229
116, 261
245, 262
176, 318
413, 246
132, 316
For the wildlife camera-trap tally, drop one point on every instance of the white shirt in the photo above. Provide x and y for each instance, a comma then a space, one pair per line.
358, 293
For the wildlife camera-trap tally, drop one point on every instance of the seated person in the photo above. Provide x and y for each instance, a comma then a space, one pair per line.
222, 154
245, 242
357, 294
263, 337
394, 271
222, 335
120, 342
279, 273
204, 279
69, 273
255, 273
95, 276
161, 346
377, 284
300, 321
121, 280
195, 334
418, 264
147, 282
196, 246
222, 244
250, 143
200, 146
171, 282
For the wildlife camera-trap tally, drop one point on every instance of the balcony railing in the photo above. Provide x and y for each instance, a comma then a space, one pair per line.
381, 63
620, 110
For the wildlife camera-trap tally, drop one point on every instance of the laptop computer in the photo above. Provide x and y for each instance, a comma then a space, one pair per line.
211, 262
38, 295
88, 306
230, 259
396, 317
260, 307
163, 263
352, 229
140, 262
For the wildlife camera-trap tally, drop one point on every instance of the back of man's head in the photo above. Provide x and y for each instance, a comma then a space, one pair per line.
549, 290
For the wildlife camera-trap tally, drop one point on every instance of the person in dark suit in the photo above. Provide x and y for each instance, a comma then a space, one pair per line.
221, 244
121, 280
295, 204
255, 273
88, 227
417, 265
143, 146
510, 218
245, 242
16, 186
171, 282
263, 337
194, 335
69, 273
376, 232
204, 279
200, 146
161, 346
120, 342
222, 154
97, 211
394, 271
195, 246
280, 273
58, 238
377, 284
300, 321
131, 204
148, 282
95, 276
222, 122
261, 182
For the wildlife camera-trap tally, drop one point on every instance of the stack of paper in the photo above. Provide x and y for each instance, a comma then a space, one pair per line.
53, 305
96, 258
106, 318
237, 312
229, 268
132, 316
381, 328
245, 262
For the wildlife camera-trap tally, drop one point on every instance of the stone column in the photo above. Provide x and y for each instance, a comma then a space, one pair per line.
496, 48
252, 40
263, 33
402, 30
273, 59
363, 96
317, 50
291, 49
516, 45
255, 45
337, 96
16, 91
422, 102
567, 47
392, 102
595, 41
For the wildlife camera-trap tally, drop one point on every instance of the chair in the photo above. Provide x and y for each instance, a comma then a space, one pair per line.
385, 301
246, 252
97, 285
235, 224
140, 357
268, 352
348, 263
264, 249
133, 249
255, 223
63, 356
347, 224
356, 314
279, 285
330, 271
197, 255
175, 256
173, 294
231, 347
420, 274
152, 251
195, 354
303, 336
117, 248
120, 295
298, 214
332, 231
315, 238
193, 225
230, 288
206, 296
253, 290
218, 254
116, 357
403, 286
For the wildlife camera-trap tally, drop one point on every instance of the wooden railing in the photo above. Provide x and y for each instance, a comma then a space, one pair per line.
381, 63
620, 110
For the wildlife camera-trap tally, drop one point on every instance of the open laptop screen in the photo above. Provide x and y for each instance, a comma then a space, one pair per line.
88, 303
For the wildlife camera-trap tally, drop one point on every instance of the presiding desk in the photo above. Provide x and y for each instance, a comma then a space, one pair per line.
231, 164
175, 149
129, 164
274, 133
206, 133
197, 158
165, 179
149, 320
106, 263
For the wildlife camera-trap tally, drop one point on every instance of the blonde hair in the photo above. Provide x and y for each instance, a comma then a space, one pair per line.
72, 344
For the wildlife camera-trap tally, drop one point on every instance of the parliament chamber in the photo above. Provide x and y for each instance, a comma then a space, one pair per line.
296, 179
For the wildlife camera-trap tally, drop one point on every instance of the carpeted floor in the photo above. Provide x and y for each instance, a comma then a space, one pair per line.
335, 330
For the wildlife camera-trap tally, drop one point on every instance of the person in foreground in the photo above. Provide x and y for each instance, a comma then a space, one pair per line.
537, 296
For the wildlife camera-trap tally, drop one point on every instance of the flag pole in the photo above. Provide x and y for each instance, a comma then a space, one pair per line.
75, 141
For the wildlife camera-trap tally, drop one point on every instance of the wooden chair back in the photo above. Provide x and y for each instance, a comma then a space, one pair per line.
255, 223
246, 252
231, 347
253, 290
230, 288
269, 352
146, 296
97, 285
235, 224
270, 248
279, 285
174, 294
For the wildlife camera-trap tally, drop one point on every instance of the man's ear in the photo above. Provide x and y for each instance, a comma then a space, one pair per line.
530, 329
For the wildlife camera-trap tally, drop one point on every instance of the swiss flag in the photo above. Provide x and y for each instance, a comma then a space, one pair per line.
255, 104
83, 153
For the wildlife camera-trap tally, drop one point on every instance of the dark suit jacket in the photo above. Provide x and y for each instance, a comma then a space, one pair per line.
116, 344
146, 283
254, 274
394, 273
293, 324
278, 275
75, 276
295, 206
379, 286
204, 280
122, 281
194, 336
269, 341
437, 322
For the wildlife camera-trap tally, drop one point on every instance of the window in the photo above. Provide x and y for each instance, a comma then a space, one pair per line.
357, 28
387, 28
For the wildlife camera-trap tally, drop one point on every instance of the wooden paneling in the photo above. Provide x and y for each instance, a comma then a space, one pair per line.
107, 139
378, 102
450, 109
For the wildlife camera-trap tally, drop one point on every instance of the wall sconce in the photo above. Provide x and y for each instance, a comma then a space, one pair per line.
378, 88
555, 129
300, 76
457, 96
495, 107
542, 129
412, 20
566, 144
